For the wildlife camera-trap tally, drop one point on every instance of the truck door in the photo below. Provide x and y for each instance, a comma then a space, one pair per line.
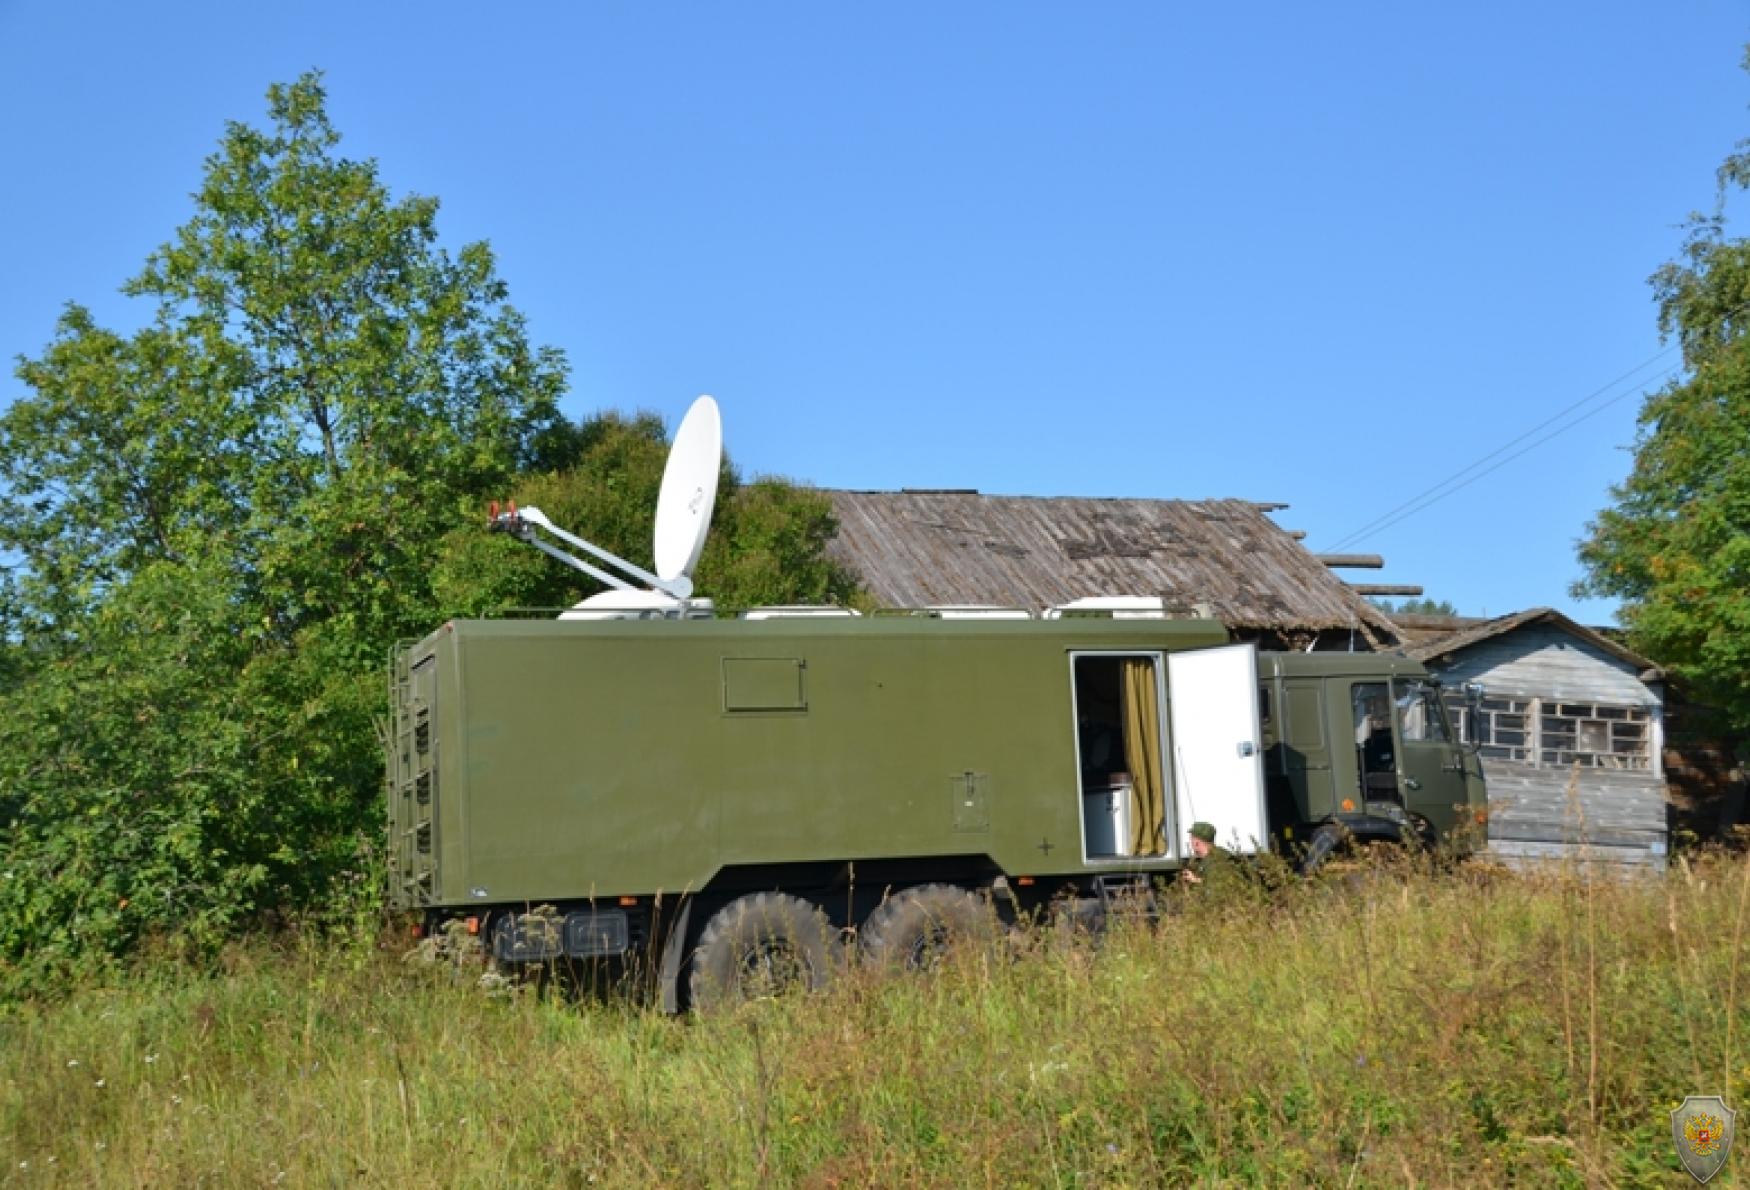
1430, 764
1218, 766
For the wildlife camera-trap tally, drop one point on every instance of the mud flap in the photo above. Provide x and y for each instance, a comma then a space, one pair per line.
674, 953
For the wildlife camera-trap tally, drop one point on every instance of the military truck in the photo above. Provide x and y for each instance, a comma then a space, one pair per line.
727, 796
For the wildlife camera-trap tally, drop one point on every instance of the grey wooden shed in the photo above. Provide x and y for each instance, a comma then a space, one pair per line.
1572, 730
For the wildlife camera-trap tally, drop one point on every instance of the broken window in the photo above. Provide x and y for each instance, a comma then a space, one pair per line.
1558, 734
1594, 736
1503, 729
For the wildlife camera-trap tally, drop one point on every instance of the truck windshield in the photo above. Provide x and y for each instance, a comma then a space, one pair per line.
1421, 715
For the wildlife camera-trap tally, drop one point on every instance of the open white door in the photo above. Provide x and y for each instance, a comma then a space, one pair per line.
1218, 763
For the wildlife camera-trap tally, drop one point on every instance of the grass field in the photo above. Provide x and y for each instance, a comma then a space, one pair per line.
1388, 1027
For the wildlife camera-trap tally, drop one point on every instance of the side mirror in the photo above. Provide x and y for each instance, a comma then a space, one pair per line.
1473, 717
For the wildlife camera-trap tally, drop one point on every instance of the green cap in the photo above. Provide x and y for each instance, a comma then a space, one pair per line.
1202, 830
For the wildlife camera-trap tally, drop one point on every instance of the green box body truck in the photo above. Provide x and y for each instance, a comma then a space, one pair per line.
727, 797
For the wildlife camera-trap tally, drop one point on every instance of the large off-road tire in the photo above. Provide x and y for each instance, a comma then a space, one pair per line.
1330, 839
759, 946
914, 928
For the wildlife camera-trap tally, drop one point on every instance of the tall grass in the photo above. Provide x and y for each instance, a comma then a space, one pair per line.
1381, 1027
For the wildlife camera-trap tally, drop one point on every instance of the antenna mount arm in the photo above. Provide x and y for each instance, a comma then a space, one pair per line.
528, 524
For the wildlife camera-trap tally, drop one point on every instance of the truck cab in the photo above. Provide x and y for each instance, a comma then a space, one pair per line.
1363, 744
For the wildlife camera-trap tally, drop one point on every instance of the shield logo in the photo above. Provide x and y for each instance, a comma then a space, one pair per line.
1702, 1128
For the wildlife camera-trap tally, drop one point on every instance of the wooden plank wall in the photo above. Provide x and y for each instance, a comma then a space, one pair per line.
1620, 816
1613, 816
1541, 661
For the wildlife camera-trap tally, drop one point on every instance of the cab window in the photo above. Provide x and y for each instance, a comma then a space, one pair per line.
1420, 712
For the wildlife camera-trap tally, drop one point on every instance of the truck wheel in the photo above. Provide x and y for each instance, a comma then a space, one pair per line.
913, 929
759, 946
1328, 839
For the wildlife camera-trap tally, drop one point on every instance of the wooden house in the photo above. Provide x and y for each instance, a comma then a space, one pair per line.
1221, 558
1572, 730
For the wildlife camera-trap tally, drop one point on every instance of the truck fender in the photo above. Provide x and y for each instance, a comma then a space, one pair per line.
1337, 832
674, 953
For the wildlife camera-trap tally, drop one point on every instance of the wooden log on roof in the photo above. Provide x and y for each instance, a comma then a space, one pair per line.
1352, 561
1371, 589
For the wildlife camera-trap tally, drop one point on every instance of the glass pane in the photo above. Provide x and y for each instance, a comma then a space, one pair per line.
1419, 717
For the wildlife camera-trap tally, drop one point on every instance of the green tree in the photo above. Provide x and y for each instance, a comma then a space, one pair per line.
1675, 545
767, 543
221, 522
214, 529
1417, 607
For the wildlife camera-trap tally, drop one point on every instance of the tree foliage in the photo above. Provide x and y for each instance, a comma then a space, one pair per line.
1417, 607
1675, 545
767, 542
215, 528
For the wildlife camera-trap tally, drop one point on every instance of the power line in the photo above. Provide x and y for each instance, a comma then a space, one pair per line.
1590, 413
1415, 503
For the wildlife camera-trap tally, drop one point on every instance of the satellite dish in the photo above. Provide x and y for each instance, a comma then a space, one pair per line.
689, 492
683, 518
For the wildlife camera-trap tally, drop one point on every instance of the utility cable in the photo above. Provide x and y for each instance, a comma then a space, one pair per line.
1408, 511
1391, 517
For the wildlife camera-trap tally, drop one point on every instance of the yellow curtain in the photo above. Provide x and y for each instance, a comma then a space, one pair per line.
1142, 752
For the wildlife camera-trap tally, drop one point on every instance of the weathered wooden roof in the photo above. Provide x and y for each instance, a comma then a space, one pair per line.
923, 548
1478, 631
1419, 628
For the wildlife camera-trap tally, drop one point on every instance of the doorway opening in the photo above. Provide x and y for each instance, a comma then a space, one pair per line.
1119, 735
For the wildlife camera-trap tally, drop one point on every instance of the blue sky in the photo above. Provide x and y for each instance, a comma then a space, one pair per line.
1323, 255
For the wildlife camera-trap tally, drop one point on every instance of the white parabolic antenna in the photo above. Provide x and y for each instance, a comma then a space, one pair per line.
683, 518
689, 491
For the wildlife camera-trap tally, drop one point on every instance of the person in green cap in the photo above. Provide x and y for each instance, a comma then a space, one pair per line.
1205, 854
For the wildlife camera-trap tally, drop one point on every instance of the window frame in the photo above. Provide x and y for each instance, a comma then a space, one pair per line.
1546, 733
